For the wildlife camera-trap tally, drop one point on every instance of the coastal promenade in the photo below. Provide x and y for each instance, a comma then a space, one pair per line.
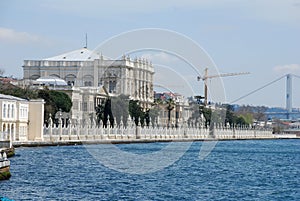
93, 134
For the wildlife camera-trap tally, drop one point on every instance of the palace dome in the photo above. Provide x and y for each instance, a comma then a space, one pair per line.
55, 81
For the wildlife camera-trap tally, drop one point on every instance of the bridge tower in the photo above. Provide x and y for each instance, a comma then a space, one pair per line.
289, 94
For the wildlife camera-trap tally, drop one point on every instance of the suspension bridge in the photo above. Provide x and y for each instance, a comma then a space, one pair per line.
289, 95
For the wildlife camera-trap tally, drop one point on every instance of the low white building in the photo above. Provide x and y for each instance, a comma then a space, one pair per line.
20, 119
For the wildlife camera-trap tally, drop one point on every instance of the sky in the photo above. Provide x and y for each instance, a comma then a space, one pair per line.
260, 37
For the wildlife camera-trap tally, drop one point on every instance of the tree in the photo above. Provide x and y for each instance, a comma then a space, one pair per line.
240, 121
54, 101
104, 113
259, 113
13, 90
207, 113
153, 114
108, 115
170, 106
135, 111
61, 100
100, 112
230, 117
248, 118
120, 106
147, 117
196, 113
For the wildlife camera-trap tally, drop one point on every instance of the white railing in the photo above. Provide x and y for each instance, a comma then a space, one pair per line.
54, 132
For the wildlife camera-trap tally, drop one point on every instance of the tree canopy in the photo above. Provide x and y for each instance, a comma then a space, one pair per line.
54, 101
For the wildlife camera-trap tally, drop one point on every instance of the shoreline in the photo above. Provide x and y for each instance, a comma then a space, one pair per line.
131, 141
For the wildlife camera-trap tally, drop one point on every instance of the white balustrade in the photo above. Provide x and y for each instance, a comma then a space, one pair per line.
91, 132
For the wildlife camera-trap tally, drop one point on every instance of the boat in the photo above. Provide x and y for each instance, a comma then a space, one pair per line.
4, 166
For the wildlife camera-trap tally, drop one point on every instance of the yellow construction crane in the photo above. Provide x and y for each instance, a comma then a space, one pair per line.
206, 77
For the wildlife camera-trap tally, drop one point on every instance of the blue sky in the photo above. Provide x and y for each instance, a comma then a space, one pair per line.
261, 37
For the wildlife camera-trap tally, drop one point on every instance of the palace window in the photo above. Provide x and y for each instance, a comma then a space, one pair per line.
112, 86
87, 83
85, 106
8, 110
4, 111
12, 111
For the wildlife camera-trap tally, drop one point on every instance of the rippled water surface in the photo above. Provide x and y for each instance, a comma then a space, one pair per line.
235, 170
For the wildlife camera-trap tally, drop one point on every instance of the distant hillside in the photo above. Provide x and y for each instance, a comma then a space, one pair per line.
271, 112
280, 113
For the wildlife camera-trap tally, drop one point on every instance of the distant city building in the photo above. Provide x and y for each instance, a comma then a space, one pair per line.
85, 68
180, 110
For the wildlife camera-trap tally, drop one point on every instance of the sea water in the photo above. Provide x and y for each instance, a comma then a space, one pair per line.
234, 170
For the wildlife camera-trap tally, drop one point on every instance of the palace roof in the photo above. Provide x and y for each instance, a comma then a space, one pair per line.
48, 80
82, 54
9, 97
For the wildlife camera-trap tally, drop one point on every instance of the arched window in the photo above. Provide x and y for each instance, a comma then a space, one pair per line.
112, 86
87, 83
4, 111
8, 129
12, 130
12, 111
88, 80
8, 110
70, 79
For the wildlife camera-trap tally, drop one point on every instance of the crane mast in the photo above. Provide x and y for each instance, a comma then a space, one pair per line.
206, 77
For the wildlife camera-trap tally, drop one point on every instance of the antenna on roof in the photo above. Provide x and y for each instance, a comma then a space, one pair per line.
85, 40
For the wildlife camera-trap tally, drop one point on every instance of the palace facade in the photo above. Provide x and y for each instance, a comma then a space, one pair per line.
85, 68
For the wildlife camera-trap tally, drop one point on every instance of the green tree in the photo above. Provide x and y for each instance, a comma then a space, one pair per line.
207, 113
13, 90
153, 114
196, 112
108, 115
241, 121
104, 113
54, 101
136, 112
120, 106
100, 112
248, 117
230, 116
170, 106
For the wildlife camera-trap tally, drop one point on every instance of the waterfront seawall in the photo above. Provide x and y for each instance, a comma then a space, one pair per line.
94, 135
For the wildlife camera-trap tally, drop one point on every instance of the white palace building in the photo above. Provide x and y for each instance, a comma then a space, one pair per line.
85, 68
83, 74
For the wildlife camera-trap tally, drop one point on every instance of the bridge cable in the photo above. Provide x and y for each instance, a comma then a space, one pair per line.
297, 76
256, 90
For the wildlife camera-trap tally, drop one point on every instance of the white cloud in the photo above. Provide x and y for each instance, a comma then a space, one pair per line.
13, 36
285, 69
